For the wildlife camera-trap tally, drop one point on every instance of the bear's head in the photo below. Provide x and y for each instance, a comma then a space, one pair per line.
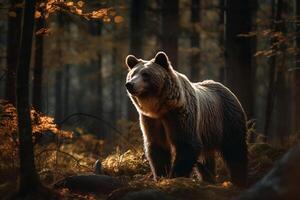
151, 84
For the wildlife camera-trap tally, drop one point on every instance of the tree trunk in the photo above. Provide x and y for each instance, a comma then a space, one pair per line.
283, 93
169, 29
195, 40
59, 76
277, 90
58, 96
29, 181
66, 90
296, 73
13, 44
238, 53
37, 95
221, 38
272, 73
137, 17
113, 114
96, 30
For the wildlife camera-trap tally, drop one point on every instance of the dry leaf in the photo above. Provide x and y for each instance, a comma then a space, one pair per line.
118, 19
37, 14
80, 3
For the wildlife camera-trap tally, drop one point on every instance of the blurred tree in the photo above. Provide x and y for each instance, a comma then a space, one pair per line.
282, 86
296, 72
59, 73
96, 30
13, 44
277, 89
238, 53
38, 65
221, 37
195, 39
137, 18
29, 180
169, 29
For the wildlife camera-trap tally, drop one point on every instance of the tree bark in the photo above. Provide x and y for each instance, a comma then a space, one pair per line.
29, 181
238, 53
137, 17
195, 40
13, 44
37, 95
169, 29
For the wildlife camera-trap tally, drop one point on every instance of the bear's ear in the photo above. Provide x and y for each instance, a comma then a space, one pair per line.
162, 59
131, 61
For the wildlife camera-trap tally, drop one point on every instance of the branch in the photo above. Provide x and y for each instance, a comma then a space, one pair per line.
67, 154
100, 119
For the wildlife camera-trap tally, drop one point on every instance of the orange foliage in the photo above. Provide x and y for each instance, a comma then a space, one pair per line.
9, 129
51, 6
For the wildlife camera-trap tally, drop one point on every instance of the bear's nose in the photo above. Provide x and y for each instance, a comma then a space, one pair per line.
129, 86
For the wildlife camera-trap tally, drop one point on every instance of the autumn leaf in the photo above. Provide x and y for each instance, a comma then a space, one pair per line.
70, 3
37, 14
78, 11
118, 19
80, 3
44, 31
106, 19
226, 184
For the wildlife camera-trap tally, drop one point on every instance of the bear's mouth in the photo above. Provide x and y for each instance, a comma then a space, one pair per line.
134, 92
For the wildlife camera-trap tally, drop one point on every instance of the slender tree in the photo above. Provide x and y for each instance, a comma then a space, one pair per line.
96, 31
59, 75
37, 95
282, 84
169, 29
29, 180
238, 53
13, 44
137, 17
296, 72
277, 89
221, 37
195, 39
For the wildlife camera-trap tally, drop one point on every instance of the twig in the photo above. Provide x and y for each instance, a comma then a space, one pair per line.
65, 153
100, 119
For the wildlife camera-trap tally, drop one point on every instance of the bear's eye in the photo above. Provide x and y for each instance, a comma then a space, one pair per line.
145, 75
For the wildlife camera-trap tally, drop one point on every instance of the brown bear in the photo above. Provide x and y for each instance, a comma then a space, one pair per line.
185, 123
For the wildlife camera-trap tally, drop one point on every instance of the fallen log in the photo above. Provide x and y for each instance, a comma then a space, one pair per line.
98, 184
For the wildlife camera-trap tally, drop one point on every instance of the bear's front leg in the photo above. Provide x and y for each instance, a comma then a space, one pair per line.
157, 146
160, 160
186, 157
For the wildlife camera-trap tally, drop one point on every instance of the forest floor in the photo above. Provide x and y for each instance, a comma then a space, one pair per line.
60, 154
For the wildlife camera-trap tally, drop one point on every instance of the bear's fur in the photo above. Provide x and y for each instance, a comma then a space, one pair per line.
184, 123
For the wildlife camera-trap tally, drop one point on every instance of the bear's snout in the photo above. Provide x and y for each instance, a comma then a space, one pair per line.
130, 87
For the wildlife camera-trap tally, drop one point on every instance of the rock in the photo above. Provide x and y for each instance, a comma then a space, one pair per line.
281, 183
90, 184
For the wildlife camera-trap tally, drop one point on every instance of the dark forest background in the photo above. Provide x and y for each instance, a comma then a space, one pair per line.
78, 64
66, 60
